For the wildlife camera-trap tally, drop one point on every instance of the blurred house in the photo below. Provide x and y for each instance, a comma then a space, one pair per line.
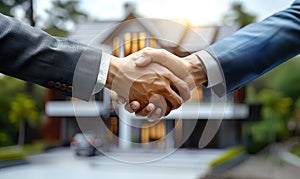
129, 35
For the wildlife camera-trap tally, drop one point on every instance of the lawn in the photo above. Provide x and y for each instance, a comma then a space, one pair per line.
296, 150
20, 152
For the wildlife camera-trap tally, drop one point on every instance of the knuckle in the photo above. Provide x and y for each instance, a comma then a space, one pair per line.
164, 90
177, 105
148, 48
160, 86
162, 52
144, 53
185, 93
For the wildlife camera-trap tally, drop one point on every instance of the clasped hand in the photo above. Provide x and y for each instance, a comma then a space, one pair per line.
152, 82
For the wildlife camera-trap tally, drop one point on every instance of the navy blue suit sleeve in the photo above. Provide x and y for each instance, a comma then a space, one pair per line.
30, 54
259, 47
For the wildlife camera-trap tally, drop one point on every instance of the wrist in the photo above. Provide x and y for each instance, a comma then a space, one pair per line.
196, 69
114, 67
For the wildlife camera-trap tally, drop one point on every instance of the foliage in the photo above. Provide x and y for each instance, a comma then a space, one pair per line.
228, 155
23, 110
275, 112
284, 78
297, 103
56, 31
11, 153
275, 91
238, 14
288, 80
296, 150
7, 6
23, 107
9, 87
60, 16
19, 152
63, 15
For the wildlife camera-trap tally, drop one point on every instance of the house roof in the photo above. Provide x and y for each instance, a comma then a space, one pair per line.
169, 33
88, 31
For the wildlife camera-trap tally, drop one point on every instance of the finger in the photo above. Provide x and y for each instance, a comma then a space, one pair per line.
146, 110
139, 53
160, 102
128, 108
171, 96
180, 87
168, 109
113, 95
162, 107
121, 100
143, 61
135, 105
166, 59
150, 107
156, 114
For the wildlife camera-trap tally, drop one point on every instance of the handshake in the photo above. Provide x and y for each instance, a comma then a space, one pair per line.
152, 82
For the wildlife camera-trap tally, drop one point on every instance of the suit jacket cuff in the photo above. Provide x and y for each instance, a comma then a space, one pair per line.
103, 72
86, 72
215, 77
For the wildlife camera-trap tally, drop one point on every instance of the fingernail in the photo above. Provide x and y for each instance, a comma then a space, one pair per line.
150, 107
158, 111
139, 60
133, 107
151, 120
121, 100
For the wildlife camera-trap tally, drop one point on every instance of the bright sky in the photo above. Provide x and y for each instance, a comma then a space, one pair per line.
197, 11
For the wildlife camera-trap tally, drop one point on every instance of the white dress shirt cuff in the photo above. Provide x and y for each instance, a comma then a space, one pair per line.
215, 77
103, 71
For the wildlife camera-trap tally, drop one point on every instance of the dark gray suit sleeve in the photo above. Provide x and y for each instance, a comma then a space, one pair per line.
32, 55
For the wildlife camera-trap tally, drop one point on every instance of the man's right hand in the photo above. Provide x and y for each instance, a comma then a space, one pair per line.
189, 69
153, 84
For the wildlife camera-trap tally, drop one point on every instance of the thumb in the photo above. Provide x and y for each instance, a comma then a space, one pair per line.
143, 61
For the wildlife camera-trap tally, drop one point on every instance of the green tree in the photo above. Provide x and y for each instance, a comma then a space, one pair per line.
277, 91
238, 14
9, 88
275, 113
62, 16
23, 110
288, 79
284, 78
5, 7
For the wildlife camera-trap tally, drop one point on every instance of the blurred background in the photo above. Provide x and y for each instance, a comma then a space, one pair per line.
259, 141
